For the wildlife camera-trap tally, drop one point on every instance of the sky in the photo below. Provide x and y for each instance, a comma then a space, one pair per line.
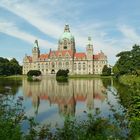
114, 25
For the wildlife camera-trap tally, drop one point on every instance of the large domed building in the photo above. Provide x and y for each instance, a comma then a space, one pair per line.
65, 57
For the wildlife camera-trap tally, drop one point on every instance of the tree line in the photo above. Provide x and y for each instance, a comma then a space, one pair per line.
9, 67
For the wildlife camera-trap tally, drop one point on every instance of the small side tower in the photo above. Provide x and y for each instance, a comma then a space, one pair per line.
89, 49
35, 51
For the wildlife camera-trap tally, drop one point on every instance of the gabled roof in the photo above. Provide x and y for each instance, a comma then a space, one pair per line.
79, 55
29, 58
43, 56
62, 53
99, 56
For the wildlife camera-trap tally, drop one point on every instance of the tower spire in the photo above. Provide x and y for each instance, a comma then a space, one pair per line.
36, 43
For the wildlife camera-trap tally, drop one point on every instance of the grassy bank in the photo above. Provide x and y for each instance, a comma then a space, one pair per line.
13, 76
87, 76
129, 79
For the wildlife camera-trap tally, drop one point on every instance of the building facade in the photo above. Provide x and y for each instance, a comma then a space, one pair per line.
65, 57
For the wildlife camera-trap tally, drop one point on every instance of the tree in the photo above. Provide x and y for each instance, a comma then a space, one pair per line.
11, 67
128, 62
106, 71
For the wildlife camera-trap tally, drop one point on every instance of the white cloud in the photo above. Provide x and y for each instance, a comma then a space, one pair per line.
130, 34
12, 30
41, 18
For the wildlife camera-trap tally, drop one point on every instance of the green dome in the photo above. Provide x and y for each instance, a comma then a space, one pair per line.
66, 35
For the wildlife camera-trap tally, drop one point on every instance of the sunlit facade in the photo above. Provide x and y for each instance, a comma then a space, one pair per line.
65, 57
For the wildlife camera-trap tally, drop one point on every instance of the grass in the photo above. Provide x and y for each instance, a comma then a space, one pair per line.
129, 79
88, 76
13, 76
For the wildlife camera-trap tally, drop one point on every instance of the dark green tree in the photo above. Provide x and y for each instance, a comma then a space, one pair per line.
11, 67
106, 71
128, 62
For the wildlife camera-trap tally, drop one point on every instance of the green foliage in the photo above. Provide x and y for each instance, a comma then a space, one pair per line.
62, 73
130, 98
11, 67
92, 128
11, 116
29, 78
34, 73
62, 79
106, 71
128, 62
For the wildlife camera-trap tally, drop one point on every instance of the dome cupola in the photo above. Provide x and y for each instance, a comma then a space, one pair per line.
67, 34
66, 40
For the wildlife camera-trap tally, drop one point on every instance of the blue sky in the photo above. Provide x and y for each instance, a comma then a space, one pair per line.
114, 25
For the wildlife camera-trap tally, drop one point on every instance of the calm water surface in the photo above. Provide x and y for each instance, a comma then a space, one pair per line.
49, 101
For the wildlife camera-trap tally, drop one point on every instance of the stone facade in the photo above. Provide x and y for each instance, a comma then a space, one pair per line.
65, 57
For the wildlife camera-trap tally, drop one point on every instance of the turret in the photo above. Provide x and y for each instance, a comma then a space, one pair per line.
89, 49
35, 51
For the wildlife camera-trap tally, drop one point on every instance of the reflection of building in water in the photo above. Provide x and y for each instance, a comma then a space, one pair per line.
36, 102
65, 95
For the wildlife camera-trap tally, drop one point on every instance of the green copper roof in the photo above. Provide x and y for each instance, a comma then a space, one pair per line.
36, 44
66, 35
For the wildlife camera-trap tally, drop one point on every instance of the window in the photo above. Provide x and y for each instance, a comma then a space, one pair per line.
67, 64
79, 66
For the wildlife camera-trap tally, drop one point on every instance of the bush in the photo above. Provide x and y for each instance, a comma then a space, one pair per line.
62, 73
34, 73
61, 79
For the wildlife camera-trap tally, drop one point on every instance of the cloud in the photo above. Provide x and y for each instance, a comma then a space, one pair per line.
33, 15
130, 34
12, 30
43, 15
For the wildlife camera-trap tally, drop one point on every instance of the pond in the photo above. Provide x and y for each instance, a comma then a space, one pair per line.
50, 102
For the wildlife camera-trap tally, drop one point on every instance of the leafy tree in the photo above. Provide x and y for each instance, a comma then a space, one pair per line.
11, 67
128, 62
106, 71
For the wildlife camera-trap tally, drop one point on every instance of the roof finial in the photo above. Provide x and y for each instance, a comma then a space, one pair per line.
66, 29
36, 43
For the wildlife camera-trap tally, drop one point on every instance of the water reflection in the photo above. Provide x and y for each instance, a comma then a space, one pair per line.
66, 96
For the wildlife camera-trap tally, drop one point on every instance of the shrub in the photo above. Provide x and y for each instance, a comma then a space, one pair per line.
34, 73
61, 79
62, 73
